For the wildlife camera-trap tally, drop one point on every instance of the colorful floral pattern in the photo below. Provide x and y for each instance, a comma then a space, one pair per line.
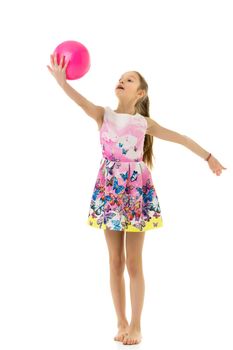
124, 197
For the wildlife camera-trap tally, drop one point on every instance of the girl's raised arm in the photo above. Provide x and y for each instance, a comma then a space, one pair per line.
59, 73
92, 110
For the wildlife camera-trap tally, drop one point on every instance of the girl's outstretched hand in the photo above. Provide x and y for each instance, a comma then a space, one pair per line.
215, 165
58, 71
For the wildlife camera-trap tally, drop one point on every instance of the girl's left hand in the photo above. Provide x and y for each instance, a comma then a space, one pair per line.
215, 165
58, 71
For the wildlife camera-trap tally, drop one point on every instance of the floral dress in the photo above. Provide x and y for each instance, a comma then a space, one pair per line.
124, 197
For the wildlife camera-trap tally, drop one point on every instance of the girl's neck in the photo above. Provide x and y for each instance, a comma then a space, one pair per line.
125, 109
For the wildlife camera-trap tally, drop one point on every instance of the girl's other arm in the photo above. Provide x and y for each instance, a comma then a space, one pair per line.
154, 129
159, 131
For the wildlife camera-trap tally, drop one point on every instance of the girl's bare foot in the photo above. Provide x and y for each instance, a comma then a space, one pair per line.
122, 332
133, 336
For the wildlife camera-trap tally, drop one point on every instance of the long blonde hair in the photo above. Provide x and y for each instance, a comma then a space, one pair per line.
142, 107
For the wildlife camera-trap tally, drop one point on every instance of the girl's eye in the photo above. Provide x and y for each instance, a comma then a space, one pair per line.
128, 80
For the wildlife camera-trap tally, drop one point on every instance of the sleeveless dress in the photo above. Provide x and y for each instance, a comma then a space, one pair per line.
124, 197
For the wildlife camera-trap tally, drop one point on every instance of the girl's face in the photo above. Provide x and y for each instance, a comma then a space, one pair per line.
127, 86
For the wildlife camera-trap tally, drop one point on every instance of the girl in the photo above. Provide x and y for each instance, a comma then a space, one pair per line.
124, 197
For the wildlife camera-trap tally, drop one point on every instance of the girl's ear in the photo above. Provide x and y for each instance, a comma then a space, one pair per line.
142, 93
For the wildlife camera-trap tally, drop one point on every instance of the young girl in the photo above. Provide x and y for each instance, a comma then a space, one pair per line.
124, 197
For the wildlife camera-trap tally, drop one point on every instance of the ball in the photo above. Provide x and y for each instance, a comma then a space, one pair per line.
78, 57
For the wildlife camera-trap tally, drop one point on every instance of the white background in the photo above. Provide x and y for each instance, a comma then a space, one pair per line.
54, 272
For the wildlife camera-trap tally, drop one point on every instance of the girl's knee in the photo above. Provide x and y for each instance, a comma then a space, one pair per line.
117, 264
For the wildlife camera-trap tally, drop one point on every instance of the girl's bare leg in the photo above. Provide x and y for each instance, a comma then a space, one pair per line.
134, 245
115, 243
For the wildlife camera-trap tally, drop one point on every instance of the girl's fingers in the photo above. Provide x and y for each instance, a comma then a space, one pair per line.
51, 60
221, 166
66, 63
61, 61
55, 58
64, 68
49, 69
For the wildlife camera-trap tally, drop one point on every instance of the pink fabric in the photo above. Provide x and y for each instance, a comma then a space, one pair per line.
124, 197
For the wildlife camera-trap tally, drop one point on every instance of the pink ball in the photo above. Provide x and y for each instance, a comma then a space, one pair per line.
78, 56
